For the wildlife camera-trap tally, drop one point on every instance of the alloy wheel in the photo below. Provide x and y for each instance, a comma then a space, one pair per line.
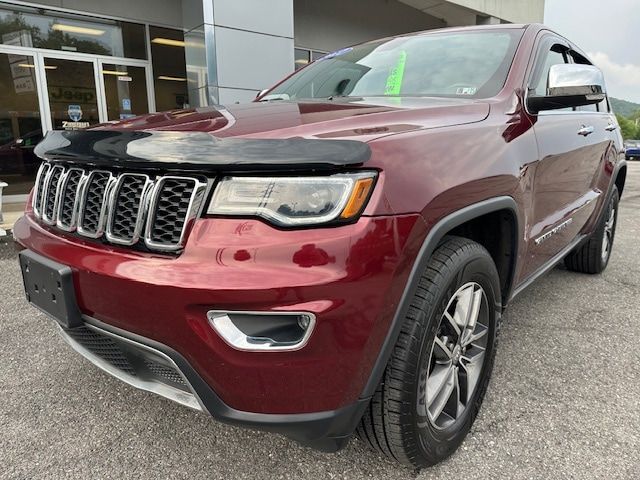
607, 237
457, 356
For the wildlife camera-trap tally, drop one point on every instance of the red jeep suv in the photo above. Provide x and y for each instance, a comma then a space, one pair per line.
334, 257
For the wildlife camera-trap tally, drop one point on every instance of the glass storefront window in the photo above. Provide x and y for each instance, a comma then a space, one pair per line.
302, 57
20, 126
315, 55
72, 93
61, 63
126, 91
29, 27
169, 70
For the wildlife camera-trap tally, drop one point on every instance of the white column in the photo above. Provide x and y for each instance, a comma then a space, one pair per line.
235, 48
254, 46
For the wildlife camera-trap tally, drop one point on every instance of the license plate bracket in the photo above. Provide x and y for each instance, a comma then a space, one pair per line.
49, 286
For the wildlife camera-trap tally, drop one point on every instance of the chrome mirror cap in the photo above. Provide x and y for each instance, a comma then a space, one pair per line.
574, 79
569, 86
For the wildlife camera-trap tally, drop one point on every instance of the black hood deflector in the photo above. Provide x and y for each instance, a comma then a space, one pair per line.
198, 151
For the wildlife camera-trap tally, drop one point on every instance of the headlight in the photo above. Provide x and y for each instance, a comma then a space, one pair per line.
294, 201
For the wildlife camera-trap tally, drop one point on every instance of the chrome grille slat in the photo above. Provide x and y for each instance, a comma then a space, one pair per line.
170, 203
50, 193
93, 203
97, 203
67, 212
127, 208
39, 187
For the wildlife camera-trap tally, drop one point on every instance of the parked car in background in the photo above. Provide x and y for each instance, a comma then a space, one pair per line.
632, 149
335, 257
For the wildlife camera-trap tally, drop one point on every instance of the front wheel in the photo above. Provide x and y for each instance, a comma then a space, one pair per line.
593, 256
438, 373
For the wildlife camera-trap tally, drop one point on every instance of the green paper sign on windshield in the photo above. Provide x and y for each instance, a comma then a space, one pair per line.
394, 80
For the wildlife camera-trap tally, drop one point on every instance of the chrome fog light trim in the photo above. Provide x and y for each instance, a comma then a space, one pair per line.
223, 323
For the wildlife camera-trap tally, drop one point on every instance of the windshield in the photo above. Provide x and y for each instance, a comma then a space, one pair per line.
457, 64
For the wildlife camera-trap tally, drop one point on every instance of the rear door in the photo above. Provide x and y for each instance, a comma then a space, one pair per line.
572, 145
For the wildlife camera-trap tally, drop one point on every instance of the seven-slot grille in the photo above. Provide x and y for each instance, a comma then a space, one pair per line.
126, 209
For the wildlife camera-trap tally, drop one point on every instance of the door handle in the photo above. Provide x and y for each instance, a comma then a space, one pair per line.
586, 130
611, 127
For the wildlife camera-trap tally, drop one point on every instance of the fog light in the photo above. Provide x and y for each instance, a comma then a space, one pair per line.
263, 331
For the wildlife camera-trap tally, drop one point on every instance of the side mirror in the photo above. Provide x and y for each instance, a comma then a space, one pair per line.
570, 85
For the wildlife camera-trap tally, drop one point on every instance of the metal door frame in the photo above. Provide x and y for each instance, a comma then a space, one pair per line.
40, 78
42, 100
39, 54
148, 76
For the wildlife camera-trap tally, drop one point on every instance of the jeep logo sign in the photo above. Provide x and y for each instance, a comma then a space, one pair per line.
75, 112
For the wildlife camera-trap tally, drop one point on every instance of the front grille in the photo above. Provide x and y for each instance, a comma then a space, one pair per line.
126, 214
93, 203
51, 188
68, 194
39, 193
125, 209
171, 206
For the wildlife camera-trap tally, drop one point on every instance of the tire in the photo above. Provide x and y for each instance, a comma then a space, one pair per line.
401, 421
592, 257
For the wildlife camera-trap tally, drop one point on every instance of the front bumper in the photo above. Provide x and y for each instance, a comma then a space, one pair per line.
351, 278
151, 366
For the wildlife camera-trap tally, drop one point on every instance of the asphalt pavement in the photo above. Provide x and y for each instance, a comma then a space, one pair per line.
564, 400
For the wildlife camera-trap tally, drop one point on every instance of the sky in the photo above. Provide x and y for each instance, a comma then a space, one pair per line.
609, 32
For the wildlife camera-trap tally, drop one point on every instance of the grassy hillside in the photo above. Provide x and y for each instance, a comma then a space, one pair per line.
624, 108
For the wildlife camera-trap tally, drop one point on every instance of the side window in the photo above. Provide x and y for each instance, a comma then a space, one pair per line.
555, 56
591, 108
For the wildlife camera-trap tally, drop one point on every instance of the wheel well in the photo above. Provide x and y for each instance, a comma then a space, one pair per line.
621, 177
497, 232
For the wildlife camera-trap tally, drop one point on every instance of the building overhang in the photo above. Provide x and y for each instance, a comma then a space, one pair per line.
471, 12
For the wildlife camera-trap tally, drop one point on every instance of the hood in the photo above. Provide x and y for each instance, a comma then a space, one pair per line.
362, 119
257, 136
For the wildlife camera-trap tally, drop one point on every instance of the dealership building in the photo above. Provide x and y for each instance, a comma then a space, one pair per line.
67, 64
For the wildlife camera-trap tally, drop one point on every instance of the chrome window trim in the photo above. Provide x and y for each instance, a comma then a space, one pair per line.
45, 198
142, 209
103, 208
63, 187
195, 201
36, 192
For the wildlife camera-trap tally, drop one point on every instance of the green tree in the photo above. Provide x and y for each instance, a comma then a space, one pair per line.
628, 127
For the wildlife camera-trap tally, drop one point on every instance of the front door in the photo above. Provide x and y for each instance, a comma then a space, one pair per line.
572, 146
84, 92
125, 90
20, 122
72, 93
42, 91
